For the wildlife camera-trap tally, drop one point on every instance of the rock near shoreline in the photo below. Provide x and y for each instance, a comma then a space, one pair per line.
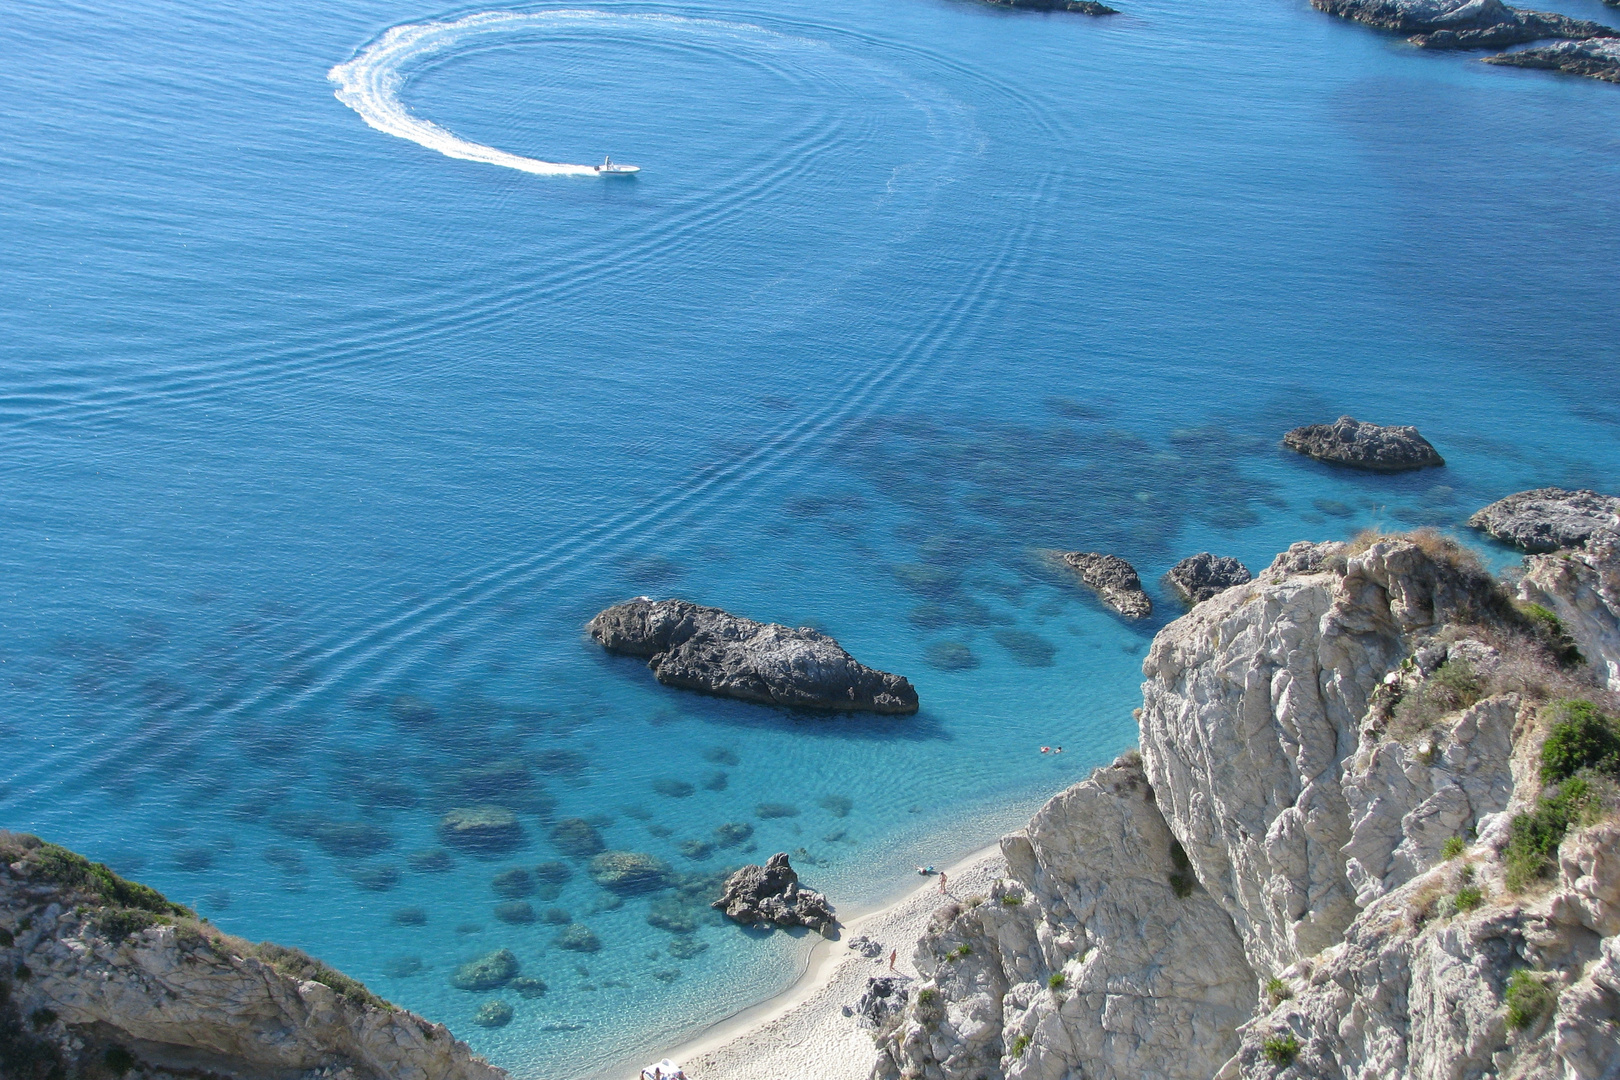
714, 652
1360, 445
1199, 577
771, 894
1547, 519
1596, 58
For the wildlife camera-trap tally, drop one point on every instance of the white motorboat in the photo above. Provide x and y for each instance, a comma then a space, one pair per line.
609, 167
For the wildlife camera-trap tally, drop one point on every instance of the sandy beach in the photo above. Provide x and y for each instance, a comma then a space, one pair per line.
803, 1031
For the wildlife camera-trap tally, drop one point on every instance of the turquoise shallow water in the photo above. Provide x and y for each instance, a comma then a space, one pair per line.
320, 446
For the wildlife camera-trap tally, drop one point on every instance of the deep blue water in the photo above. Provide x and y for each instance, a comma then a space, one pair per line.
320, 446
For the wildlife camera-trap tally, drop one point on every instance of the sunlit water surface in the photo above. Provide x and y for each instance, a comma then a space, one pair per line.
320, 446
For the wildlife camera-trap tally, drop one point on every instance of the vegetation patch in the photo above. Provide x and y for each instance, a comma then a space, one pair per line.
1012, 899
1549, 632
1277, 990
297, 964
1056, 980
1452, 848
1454, 686
1534, 836
1581, 739
74, 871
1280, 1049
1019, 1045
1529, 998
1468, 898
1182, 878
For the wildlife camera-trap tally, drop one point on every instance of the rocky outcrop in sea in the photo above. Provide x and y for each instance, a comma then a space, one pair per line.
1114, 581
1360, 445
1596, 58
1462, 24
1082, 7
1199, 577
771, 895
1547, 519
1371, 832
113, 980
715, 652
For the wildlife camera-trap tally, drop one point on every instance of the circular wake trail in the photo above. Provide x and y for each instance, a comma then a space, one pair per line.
370, 84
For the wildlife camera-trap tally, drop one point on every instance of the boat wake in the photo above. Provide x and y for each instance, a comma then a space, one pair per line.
370, 84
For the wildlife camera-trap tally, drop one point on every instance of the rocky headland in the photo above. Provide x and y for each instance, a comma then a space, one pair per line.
1462, 24
1596, 58
771, 895
1113, 579
1547, 519
1370, 832
714, 652
1360, 445
102, 977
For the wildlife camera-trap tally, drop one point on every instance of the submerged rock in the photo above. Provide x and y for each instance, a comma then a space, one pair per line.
1114, 580
1199, 577
715, 652
482, 830
733, 833
576, 837
771, 894
1547, 519
512, 884
527, 988
517, 912
1462, 24
1360, 445
488, 972
1596, 58
578, 938
493, 1014
630, 872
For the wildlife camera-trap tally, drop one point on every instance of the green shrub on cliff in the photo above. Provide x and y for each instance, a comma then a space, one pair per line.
1582, 739
298, 964
1529, 998
1534, 837
1549, 632
74, 871
1281, 1049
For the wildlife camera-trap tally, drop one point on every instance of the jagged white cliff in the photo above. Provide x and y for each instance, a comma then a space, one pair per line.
1304, 872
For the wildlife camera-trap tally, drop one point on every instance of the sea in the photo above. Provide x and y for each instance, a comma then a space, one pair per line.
336, 397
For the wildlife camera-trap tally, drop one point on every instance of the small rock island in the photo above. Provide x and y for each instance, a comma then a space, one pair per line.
1199, 577
1114, 580
771, 894
1360, 445
715, 652
1463, 24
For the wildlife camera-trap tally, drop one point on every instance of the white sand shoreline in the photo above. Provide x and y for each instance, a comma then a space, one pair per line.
803, 1031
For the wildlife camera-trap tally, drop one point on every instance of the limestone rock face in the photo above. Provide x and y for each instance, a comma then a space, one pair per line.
1114, 580
1348, 441
1307, 868
1086, 962
1547, 519
1462, 24
771, 894
1199, 577
1596, 58
712, 651
185, 1004
1253, 702
1407, 799
1582, 588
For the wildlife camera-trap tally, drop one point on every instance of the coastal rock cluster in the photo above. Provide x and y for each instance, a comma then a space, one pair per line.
1596, 58
111, 977
1338, 853
771, 895
1082, 7
1462, 24
715, 652
1360, 445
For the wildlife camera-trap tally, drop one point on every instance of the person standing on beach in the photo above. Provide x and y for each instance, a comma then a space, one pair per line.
942, 881
892, 954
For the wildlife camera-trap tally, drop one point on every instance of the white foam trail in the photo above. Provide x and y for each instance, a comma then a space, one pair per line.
370, 83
